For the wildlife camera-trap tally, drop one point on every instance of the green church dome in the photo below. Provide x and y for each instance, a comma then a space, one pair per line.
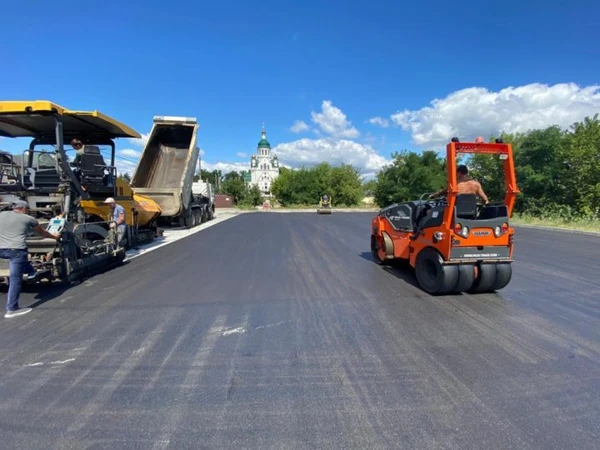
263, 143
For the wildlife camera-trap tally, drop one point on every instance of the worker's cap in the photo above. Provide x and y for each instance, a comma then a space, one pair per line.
20, 204
109, 200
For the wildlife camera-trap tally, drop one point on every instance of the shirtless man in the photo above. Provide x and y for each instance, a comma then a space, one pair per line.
465, 185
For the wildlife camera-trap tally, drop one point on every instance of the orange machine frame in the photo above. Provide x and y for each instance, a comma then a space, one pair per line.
499, 148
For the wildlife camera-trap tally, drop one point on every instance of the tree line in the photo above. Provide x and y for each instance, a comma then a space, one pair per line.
233, 184
303, 186
558, 174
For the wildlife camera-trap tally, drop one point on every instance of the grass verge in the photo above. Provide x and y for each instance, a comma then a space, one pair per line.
575, 224
245, 207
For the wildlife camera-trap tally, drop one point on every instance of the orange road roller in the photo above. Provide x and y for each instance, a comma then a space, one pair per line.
454, 243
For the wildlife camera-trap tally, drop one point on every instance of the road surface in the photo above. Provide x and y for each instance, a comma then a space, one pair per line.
278, 331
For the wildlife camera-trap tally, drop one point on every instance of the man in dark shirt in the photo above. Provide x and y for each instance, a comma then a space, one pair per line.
15, 226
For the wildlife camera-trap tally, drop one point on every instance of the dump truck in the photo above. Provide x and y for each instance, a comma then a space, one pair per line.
66, 196
203, 193
166, 169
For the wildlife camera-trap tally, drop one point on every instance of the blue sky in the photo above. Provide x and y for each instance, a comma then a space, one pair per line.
234, 64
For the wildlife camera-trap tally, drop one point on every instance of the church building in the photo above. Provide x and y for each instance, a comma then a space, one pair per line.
264, 166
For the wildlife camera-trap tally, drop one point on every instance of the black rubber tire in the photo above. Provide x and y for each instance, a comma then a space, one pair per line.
432, 275
374, 254
189, 219
503, 276
486, 279
466, 277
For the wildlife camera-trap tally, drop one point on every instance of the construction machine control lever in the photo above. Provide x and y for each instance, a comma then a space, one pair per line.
56, 225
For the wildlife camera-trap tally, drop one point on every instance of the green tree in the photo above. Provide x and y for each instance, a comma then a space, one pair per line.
345, 186
580, 164
409, 176
254, 197
369, 187
212, 177
489, 169
283, 186
234, 185
305, 186
558, 172
126, 177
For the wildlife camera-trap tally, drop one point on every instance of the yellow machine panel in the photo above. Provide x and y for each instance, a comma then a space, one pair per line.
147, 209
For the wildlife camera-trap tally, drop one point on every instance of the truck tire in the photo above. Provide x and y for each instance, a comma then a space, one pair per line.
187, 220
197, 217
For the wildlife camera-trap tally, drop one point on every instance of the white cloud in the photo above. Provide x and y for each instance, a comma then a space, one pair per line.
476, 111
309, 152
129, 153
141, 142
126, 160
125, 166
299, 126
369, 139
314, 151
379, 121
369, 176
333, 145
334, 122
225, 167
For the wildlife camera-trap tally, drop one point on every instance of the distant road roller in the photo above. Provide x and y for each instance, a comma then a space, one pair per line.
324, 205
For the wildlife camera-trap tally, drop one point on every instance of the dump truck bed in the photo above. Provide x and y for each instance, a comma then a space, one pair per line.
168, 163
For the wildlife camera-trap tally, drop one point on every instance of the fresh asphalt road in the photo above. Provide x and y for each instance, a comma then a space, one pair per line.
278, 331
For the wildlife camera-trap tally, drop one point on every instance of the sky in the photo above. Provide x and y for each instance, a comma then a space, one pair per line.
339, 81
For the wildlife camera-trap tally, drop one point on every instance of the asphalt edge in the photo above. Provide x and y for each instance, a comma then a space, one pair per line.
148, 248
564, 230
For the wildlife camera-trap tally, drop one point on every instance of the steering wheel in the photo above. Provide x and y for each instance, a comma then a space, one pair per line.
436, 201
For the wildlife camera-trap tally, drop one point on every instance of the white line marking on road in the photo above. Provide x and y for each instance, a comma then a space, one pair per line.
233, 331
63, 362
260, 327
53, 362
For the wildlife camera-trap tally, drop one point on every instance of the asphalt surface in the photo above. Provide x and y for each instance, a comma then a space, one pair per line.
278, 331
